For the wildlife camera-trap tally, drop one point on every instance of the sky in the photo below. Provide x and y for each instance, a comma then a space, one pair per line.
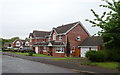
21, 17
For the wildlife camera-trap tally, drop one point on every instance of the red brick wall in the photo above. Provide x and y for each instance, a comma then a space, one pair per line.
14, 43
74, 33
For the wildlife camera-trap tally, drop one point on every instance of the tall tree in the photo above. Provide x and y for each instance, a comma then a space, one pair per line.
68, 48
109, 22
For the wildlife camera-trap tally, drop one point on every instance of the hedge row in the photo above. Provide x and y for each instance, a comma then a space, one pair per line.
103, 55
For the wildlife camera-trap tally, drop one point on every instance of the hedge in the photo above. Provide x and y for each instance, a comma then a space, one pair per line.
103, 55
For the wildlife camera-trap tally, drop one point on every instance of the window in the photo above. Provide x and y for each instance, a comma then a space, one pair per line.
60, 37
30, 39
17, 43
54, 36
44, 49
27, 43
59, 50
78, 38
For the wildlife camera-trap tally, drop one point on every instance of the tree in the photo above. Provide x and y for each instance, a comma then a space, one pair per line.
68, 48
109, 22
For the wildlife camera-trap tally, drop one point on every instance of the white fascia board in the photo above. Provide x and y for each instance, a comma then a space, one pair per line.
52, 32
87, 46
71, 28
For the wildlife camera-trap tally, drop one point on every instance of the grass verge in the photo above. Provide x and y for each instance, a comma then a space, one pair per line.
39, 55
109, 65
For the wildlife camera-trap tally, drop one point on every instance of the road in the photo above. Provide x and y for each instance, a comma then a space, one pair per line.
18, 65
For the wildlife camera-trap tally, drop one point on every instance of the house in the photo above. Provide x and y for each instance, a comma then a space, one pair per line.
20, 44
54, 42
37, 37
90, 43
7, 45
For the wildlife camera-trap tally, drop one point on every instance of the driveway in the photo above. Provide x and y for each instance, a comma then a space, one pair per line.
18, 65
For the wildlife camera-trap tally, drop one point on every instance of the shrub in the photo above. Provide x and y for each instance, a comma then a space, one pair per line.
30, 53
113, 55
96, 56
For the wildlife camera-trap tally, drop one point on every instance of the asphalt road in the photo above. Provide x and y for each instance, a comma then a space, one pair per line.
17, 65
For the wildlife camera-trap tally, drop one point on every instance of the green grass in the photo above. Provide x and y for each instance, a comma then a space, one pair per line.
39, 55
20, 53
65, 58
109, 65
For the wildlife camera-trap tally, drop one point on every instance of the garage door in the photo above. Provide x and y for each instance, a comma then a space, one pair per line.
36, 49
83, 51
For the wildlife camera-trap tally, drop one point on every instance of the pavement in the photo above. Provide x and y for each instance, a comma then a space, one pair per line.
70, 64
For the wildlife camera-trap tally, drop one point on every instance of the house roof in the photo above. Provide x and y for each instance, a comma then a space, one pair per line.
92, 41
41, 33
65, 28
56, 42
52, 42
31, 34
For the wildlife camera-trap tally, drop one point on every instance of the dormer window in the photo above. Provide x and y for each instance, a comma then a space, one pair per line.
54, 36
60, 37
17, 43
78, 38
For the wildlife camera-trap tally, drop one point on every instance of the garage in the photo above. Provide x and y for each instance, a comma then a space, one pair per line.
85, 49
90, 43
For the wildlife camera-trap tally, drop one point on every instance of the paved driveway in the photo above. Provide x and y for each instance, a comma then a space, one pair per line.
17, 65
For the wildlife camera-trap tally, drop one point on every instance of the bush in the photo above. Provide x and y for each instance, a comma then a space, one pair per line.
96, 56
113, 55
30, 54
104, 55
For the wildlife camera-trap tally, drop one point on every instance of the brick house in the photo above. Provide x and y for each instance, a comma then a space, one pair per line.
20, 44
55, 40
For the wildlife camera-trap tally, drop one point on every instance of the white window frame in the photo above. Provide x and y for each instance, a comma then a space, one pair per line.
78, 38
54, 36
60, 37
27, 43
30, 39
59, 50
17, 43
44, 49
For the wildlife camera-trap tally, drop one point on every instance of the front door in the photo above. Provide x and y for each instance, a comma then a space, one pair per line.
50, 51
77, 52
36, 49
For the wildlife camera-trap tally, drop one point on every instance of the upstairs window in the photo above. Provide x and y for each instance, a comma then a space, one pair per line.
17, 43
26, 43
78, 38
60, 37
54, 36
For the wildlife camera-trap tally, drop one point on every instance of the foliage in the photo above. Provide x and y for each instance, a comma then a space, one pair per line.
68, 48
30, 53
104, 55
8, 40
113, 55
96, 56
109, 22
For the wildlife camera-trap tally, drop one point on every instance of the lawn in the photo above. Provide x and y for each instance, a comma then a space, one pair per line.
39, 55
109, 65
